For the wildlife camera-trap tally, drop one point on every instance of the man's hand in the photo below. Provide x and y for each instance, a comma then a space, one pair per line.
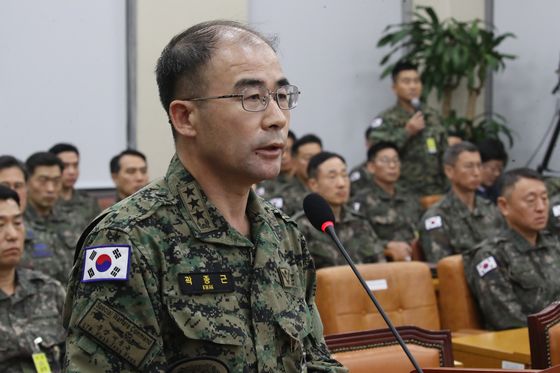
415, 124
399, 251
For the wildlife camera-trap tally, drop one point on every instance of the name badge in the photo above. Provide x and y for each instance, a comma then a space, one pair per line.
431, 145
41, 363
206, 282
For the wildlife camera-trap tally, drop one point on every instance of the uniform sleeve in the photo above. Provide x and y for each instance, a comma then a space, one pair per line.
112, 325
373, 249
434, 237
493, 290
318, 357
390, 130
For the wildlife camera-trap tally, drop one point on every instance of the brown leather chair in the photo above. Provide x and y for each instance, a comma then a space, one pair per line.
405, 291
378, 350
457, 307
544, 337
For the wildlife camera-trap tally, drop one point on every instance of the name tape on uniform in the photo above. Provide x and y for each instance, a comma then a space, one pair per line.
486, 265
106, 263
206, 282
433, 223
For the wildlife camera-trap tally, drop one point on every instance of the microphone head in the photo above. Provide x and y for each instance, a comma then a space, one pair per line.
318, 211
415, 102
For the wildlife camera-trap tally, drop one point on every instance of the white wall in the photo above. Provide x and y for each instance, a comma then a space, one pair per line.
522, 93
63, 78
328, 49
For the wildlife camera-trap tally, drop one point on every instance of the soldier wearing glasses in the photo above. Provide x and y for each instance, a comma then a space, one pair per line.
461, 219
196, 273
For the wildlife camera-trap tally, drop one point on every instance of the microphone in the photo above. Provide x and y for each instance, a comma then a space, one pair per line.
320, 215
415, 102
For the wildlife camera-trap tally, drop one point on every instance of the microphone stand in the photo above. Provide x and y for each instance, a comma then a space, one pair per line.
330, 230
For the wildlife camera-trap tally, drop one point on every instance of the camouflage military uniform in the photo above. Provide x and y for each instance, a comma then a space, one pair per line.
360, 178
198, 294
290, 197
448, 227
393, 218
553, 186
45, 251
421, 155
78, 211
269, 188
355, 233
510, 279
554, 215
32, 311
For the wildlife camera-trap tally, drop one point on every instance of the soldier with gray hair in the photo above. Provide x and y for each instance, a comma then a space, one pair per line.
461, 219
195, 272
516, 272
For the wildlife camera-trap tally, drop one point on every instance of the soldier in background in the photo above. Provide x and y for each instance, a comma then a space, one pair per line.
516, 272
392, 211
289, 198
417, 131
268, 188
129, 171
360, 176
30, 302
328, 177
461, 219
195, 272
494, 159
78, 207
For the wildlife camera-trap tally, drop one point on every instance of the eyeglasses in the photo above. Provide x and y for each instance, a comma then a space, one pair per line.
256, 98
388, 161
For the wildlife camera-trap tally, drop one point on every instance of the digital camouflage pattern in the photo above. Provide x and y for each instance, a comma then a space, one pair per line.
421, 155
32, 311
526, 279
47, 252
269, 188
355, 233
78, 212
360, 178
459, 229
263, 319
394, 218
289, 198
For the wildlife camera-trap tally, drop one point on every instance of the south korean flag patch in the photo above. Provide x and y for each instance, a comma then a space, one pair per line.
486, 265
433, 223
106, 263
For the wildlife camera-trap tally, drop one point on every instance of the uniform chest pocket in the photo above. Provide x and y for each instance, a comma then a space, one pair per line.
211, 317
525, 278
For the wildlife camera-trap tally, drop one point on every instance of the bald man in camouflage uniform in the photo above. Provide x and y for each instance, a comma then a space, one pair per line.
461, 219
195, 273
30, 302
516, 272
420, 136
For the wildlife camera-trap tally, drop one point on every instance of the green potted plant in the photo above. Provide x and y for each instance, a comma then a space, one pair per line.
449, 52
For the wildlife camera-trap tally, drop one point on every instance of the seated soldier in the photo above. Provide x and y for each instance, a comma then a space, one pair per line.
268, 188
289, 197
461, 219
360, 176
516, 272
30, 302
129, 171
328, 177
494, 159
392, 212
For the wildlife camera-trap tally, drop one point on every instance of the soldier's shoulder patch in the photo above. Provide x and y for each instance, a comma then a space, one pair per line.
376, 122
356, 206
433, 223
355, 176
486, 265
277, 202
556, 210
106, 263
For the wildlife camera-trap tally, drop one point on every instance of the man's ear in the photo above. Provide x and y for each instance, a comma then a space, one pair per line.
370, 167
312, 184
449, 171
503, 205
183, 115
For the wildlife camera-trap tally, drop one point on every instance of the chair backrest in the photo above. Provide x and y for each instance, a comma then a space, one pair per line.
457, 307
544, 337
404, 289
378, 350
427, 201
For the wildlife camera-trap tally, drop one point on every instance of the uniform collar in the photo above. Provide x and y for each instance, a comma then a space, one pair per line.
461, 208
523, 246
204, 220
24, 286
379, 192
31, 215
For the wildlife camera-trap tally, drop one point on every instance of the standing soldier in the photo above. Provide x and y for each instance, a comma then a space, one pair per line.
417, 131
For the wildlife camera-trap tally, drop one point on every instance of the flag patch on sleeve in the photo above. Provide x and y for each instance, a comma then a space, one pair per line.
556, 211
486, 265
106, 263
433, 223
